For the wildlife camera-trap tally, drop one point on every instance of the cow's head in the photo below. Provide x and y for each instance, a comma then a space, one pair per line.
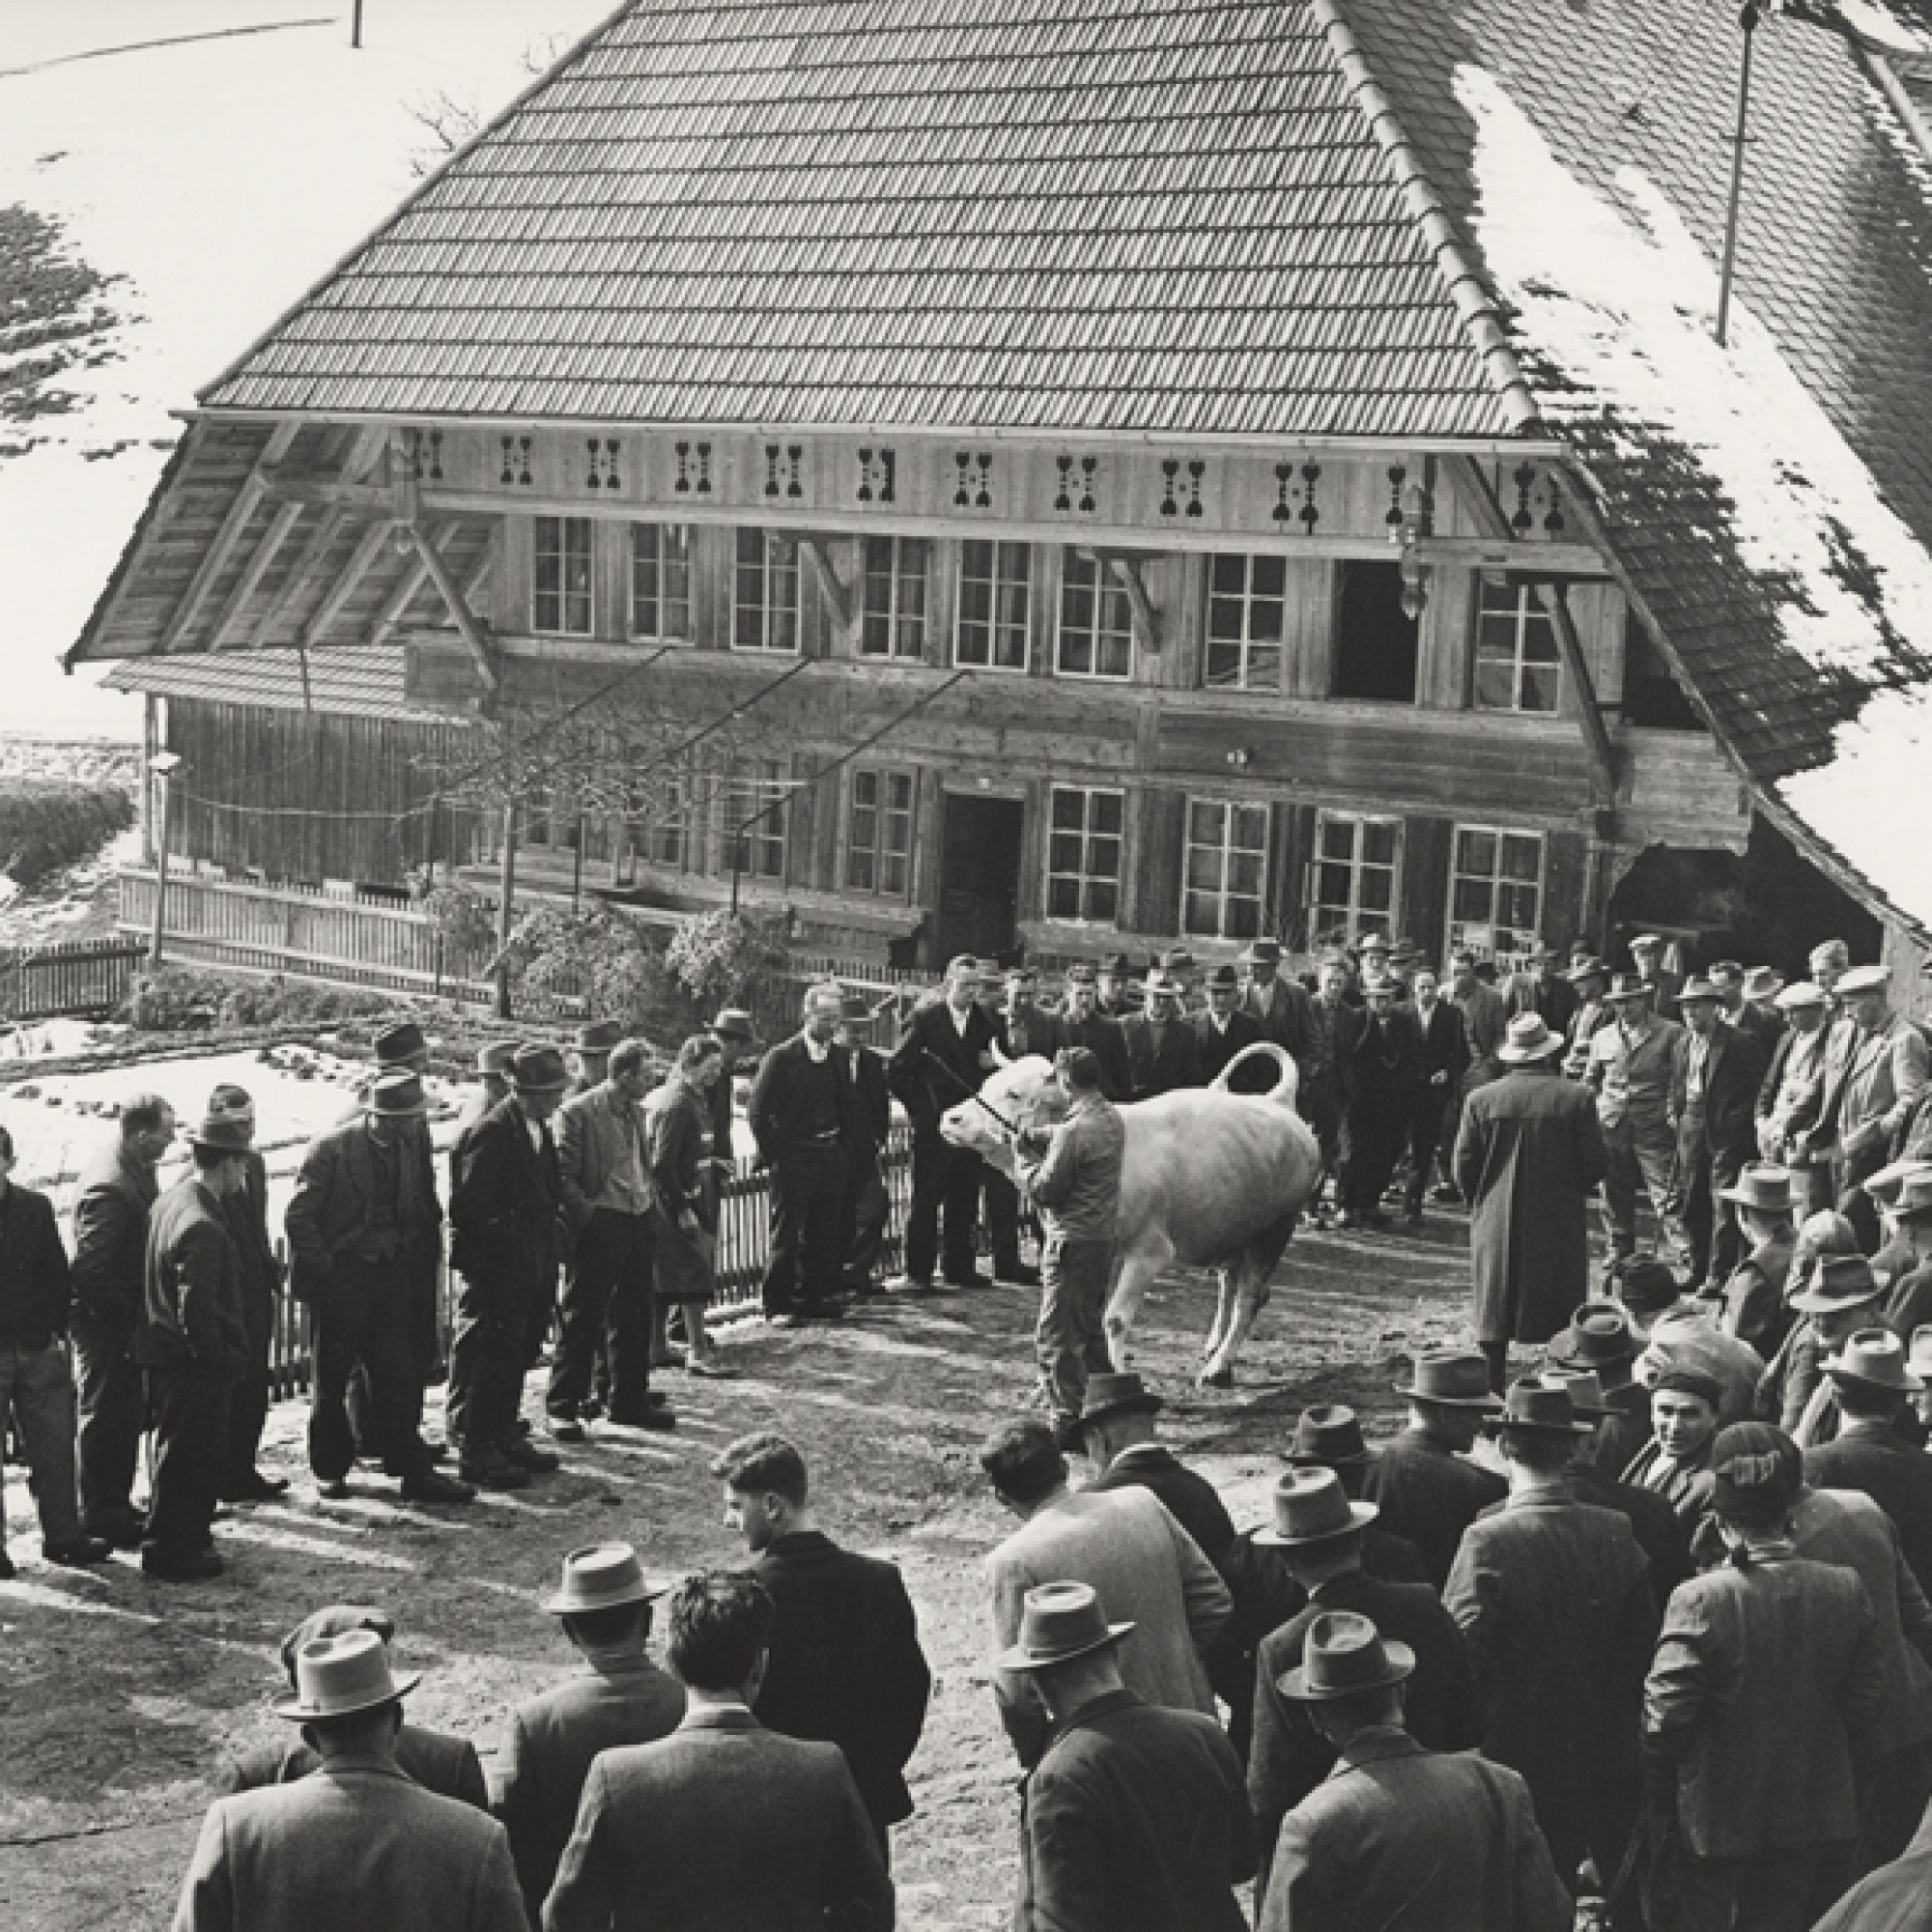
1024, 1092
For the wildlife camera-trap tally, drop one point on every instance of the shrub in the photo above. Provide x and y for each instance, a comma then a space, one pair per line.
717, 956
594, 960
177, 999
45, 824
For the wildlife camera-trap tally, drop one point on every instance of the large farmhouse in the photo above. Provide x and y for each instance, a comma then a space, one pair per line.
1157, 471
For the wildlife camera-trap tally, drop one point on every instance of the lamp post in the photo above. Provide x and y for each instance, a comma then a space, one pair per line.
1748, 15
164, 765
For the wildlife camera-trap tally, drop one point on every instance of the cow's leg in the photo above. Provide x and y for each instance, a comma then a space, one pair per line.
1137, 1272
1245, 1294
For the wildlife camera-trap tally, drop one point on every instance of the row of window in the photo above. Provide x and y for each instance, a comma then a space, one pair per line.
1517, 667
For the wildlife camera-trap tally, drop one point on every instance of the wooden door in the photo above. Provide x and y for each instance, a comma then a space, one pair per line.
980, 876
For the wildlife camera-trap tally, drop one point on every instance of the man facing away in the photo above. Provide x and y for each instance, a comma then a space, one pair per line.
1632, 1069
844, 1665
1118, 1435
618, 1697
724, 1826
1134, 1819
1128, 1547
357, 1841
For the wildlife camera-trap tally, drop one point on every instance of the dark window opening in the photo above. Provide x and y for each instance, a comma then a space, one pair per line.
1376, 644
1652, 696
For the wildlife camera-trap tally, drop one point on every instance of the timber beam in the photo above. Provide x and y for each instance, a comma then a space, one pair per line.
285, 518
214, 559
347, 580
469, 626
1576, 668
301, 576
835, 594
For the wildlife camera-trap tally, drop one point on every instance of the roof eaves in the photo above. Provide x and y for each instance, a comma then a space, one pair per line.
81, 651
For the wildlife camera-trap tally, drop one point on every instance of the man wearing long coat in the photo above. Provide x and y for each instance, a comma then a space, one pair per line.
1529, 1156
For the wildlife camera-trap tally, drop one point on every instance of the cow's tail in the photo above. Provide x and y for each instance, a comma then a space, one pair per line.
1288, 1076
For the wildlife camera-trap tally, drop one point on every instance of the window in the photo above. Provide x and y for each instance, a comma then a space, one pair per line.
1247, 599
661, 582
1375, 644
560, 599
1495, 891
878, 833
1357, 864
994, 624
1227, 864
1083, 854
1517, 665
1096, 622
764, 609
893, 622
758, 785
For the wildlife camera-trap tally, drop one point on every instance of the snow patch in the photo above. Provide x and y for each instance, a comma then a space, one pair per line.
1623, 306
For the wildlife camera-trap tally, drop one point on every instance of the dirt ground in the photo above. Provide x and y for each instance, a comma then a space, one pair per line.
117, 1695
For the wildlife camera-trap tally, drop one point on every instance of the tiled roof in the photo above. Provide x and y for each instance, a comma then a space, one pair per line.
354, 681
1035, 214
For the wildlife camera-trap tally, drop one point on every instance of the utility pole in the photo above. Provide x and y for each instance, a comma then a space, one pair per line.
1748, 15
356, 31
164, 765
506, 887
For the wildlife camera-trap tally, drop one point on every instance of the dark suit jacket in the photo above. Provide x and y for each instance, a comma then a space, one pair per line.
1134, 1820
775, 1109
112, 1201
869, 1109
1733, 1075
1101, 1036
1159, 1064
1768, 1029
1404, 1839
1383, 1063
1191, 1499
335, 1192
34, 1291
846, 1664
191, 1312
615, 1700
1895, 1475
1624, 1430
1428, 1495
1444, 1044
505, 1197
1287, 1021
1660, 1534
1440, 1709
722, 1827
1216, 1048
443, 1765
1043, 1035
1555, 999
923, 1090
354, 1845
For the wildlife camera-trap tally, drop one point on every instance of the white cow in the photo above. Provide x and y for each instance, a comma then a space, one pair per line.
1210, 1178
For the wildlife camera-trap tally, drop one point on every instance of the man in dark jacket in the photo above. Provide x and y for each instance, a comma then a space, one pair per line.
1381, 1069
1444, 1058
1278, 1006
1162, 1051
1543, 987
619, 1698
194, 1343
35, 1381
1224, 1030
867, 1208
113, 1199
1081, 1023
1020, 1028
1116, 1433
1714, 1103
1869, 1453
1319, 1532
845, 1666
800, 1105
364, 1214
943, 1057
1135, 1818
505, 1205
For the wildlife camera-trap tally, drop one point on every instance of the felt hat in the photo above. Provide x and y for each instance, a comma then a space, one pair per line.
1311, 1506
1116, 965
1876, 1357
1624, 986
1261, 952
1646, 1283
1404, 950
398, 1041
1160, 982
1698, 988
1082, 972
340, 1676
1023, 974
1759, 1470
395, 1096
1763, 983
856, 1010
1800, 996
498, 1058
1057, 1623
1535, 1409
1081, 1064
1454, 1380
1589, 967
1528, 1039
1915, 1197
538, 1069
1684, 1381
1373, 942
1864, 979
1177, 959
1330, 1435
599, 1577
1763, 1185
598, 1036
227, 1133
1584, 1388
1918, 1354
1223, 979
1838, 1282
962, 966
734, 1023
1888, 1183
1647, 942
333, 1621
1121, 1393
1599, 1336
233, 1103
1344, 1653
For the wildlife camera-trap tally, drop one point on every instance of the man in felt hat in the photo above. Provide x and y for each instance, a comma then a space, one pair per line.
1632, 1070
844, 1665
944, 1056
1749, 1302
36, 1379
1417, 1837
1278, 1006
247, 1211
1591, 978
1554, 1598
439, 1762
365, 1231
1443, 1058
1762, 1699
1081, 1023
590, 1053
1116, 1432
1428, 1488
1647, 951
1762, 985
1381, 1072
1333, 1024
1750, 1013
1793, 1094
493, 1061
1543, 986
357, 1841
1908, 1303
1875, 1383
1875, 1069
1598, 1339
1843, 1297
1676, 1461
1528, 1157
1162, 1051
1828, 962
113, 1202
618, 1697
1223, 1030
1713, 1103
1123, 1542
1673, 1331
1073, 1179
1486, 1019
1319, 1532
193, 1340
505, 1207
1115, 982
1134, 1820
723, 1822
1019, 1029
865, 1209
1374, 952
